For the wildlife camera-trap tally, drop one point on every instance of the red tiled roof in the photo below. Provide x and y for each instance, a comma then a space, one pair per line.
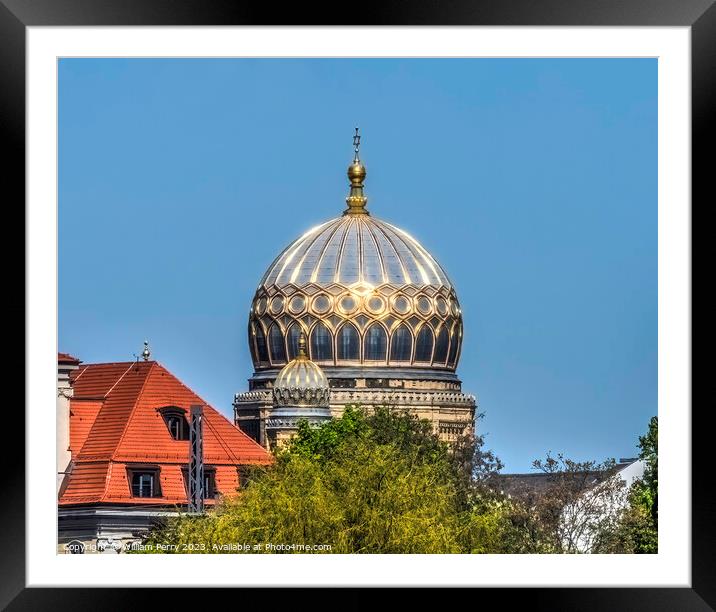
67, 358
115, 423
82, 416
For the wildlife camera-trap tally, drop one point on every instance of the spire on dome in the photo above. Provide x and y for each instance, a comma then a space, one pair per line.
356, 174
356, 145
302, 353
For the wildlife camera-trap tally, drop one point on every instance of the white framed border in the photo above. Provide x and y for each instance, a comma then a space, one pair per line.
671, 567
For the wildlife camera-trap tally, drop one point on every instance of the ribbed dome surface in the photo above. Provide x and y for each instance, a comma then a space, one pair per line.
355, 249
364, 293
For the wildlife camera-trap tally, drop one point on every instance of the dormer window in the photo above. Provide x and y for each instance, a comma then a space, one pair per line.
144, 481
175, 419
210, 490
176, 427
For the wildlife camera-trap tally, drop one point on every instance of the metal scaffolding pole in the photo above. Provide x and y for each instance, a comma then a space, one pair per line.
196, 459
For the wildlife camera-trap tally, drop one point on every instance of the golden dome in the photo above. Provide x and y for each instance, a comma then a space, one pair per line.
365, 293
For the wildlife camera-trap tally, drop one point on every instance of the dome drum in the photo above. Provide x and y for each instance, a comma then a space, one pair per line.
290, 419
408, 326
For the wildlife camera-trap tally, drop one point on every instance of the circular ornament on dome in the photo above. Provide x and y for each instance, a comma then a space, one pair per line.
401, 304
441, 305
348, 304
261, 306
277, 305
297, 304
424, 306
454, 308
321, 304
375, 304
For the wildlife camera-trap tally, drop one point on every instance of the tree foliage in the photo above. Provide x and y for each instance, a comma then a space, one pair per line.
575, 504
381, 481
637, 530
648, 489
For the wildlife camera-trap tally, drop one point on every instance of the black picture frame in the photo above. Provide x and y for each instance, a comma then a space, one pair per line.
700, 15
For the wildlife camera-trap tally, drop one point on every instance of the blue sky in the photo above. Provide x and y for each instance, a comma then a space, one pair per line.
532, 181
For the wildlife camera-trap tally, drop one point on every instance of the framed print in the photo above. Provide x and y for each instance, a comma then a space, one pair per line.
413, 295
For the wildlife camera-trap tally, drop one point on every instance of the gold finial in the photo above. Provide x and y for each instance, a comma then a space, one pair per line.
356, 174
302, 346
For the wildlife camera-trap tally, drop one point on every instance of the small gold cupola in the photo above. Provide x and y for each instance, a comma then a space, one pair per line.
356, 200
301, 382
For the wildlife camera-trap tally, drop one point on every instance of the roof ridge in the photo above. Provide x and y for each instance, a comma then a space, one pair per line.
134, 407
106, 363
104, 399
81, 370
108, 479
118, 380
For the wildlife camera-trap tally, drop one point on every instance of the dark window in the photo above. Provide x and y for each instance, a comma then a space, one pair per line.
261, 350
294, 332
276, 346
176, 422
454, 344
441, 346
376, 343
348, 343
376, 383
177, 427
244, 475
321, 343
401, 344
249, 426
342, 383
424, 344
145, 483
209, 484
210, 490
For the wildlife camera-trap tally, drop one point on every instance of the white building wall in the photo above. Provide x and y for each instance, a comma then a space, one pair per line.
64, 393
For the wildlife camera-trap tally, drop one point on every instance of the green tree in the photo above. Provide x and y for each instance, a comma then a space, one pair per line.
569, 509
381, 481
648, 489
639, 525
368, 482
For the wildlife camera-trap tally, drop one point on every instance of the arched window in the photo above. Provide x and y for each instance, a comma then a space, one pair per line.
375, 344
321, 343
348, 343
294, 332
454, 344
261, 350
424, 344
276, 345
175, 419
441, 346
401, 344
